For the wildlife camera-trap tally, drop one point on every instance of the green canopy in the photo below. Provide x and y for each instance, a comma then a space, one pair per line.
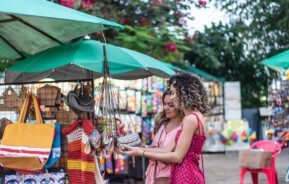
84, 59
31, 26
200, 73
278, 62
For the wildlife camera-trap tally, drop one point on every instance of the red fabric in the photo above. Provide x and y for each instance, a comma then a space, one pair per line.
77, 135
189, 171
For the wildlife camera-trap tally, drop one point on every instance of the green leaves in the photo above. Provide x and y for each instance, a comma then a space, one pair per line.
149, 25
226, 51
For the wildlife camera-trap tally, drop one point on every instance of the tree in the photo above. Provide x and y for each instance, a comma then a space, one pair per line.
154, 27
268, 26
223, 51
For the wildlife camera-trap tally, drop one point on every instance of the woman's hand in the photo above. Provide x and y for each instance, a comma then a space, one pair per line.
118, 151
133, 151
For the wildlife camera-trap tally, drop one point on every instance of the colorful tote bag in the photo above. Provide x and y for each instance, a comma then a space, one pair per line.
80, 166
56, 148
43, 178
27, 146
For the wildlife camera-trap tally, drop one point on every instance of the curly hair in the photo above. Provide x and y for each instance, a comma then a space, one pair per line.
191, 92
161, 118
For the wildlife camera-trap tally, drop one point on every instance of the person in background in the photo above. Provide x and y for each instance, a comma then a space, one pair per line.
184, 152
167, 123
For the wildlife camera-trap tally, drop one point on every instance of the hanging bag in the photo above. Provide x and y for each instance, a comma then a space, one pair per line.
130, 139
27, 146
56, 145
79, 102
56, 148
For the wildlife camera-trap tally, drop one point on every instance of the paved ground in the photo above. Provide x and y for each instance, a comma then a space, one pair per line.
224, 169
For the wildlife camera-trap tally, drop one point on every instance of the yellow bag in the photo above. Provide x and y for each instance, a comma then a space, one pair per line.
27, 146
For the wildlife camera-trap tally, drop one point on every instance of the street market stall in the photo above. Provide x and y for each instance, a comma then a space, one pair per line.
88, 66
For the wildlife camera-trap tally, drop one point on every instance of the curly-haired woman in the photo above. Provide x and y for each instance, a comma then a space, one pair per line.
188, 94
168, 122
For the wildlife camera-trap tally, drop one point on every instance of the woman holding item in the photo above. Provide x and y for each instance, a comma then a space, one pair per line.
168, 122
188, 94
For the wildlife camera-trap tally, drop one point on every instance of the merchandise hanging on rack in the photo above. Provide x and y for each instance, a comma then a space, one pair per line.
27, 146
114, 125
80, 166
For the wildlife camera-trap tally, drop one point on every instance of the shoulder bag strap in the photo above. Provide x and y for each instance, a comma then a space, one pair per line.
156, 162
29, 108
200, 125
37, 110
24, 109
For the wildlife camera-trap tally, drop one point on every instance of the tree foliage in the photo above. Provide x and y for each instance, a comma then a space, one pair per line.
154, 27
233, 52
257, 30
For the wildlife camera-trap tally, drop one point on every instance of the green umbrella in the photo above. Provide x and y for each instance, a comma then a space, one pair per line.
31, 26
84, 59
278, 62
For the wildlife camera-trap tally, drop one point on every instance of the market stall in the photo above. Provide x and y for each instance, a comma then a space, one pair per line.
72, 76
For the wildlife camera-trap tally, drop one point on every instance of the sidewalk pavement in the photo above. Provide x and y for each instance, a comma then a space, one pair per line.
224, 168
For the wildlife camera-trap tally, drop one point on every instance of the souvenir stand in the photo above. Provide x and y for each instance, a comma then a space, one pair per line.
215, 121
141, 103
141, 99
50, 100
68, 102
275, 126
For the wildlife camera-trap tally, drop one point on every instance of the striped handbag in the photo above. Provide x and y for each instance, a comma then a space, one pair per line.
27, 146
80, 166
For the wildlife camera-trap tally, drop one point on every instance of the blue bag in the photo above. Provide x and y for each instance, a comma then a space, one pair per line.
56, 148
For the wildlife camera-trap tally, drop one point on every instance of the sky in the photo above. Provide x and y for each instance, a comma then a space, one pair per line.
205, 17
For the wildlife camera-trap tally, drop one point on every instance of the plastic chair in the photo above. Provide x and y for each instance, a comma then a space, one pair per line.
270, 172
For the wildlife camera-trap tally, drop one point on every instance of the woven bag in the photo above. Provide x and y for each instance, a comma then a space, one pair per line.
62, 116
128, 140
49, 96
80, 167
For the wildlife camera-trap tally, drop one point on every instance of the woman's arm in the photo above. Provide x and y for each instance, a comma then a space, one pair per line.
189, 127
165, 149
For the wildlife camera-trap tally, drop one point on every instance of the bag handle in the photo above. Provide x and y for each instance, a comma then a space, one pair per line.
156, 162
25, 107
29, 106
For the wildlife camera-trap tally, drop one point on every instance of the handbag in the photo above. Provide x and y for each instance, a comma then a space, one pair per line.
104, 138
110, 146
49, 95
81, 102
56, 145
95, 139
56, 148
43, 178
27, 146
132, 139
80, 166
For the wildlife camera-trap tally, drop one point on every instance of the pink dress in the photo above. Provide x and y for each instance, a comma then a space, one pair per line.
162, 170
189, 172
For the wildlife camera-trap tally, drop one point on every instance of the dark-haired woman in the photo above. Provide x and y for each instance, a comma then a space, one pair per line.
188, 94
167, 123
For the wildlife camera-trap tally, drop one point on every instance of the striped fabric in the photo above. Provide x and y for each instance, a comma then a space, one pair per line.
80, 167
41, 154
